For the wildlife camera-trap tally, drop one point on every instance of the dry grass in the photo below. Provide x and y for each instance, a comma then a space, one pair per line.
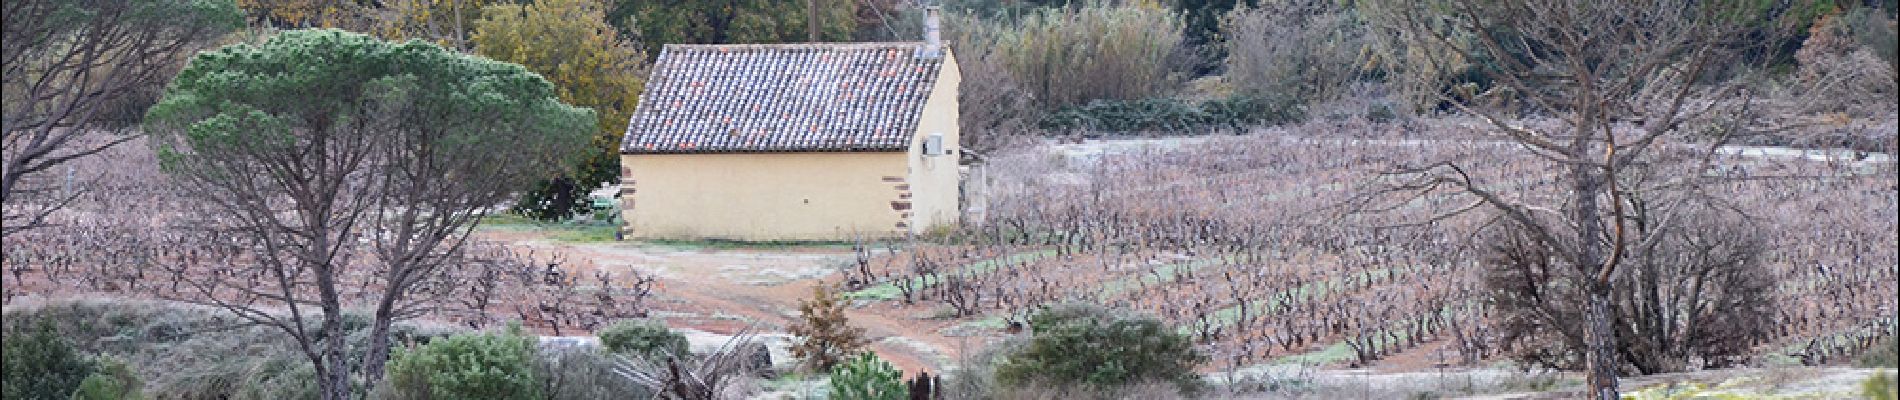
180, 351
1070, 55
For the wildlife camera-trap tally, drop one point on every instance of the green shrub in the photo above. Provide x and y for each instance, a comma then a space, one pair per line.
643, 338
112, 381
39, 364
1381, 112
1881, 386
1174, 115
1128, 116
1253, 109
157, 340
466, 366
584, 373
280, 375
974, 377
1084, 345
866, 377
1885, 354
185, 351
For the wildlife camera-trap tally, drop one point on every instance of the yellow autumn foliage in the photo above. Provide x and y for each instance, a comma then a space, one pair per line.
444, 22
341, 14
570, 43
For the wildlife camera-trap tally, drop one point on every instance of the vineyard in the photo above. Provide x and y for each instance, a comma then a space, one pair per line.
952, 199
1254, 247
1258, 247
132, 235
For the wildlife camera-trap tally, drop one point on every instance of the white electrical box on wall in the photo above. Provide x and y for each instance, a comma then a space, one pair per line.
933, 144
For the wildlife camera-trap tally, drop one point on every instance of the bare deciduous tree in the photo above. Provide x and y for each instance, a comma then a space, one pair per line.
1621, 79
1694, 294
75, 69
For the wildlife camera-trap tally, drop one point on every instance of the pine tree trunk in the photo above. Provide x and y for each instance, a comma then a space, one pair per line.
1600, 343
378, 352
335, 352
1588, 182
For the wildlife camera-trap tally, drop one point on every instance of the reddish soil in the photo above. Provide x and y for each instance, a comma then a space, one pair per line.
725, 290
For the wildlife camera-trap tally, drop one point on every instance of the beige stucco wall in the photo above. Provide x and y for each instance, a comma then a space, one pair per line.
762, 196
934, 179
800, 196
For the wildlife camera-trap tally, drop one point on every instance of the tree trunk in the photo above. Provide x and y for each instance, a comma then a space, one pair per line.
1600, 341
377, 355
1587, 181
335, 386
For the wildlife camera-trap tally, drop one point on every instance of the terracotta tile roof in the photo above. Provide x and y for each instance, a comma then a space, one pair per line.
782, 97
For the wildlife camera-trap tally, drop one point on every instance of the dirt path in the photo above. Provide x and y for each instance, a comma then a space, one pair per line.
723, 290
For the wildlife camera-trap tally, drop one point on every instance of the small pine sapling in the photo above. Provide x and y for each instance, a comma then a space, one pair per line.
826, 335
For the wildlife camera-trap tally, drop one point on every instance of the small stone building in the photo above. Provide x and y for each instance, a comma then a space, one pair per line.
795, 142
